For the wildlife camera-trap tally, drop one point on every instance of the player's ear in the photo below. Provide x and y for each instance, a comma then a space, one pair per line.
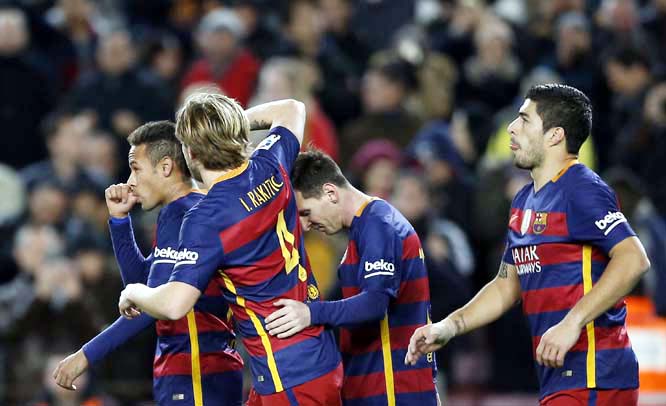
557, 136
330, 192
166, 166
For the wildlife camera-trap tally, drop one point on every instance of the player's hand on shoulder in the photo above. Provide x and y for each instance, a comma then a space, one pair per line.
292, 318
119, 200
429, 338
69, 369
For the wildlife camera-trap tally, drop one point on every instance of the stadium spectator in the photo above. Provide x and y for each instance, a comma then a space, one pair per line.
118, 94
284, 78
384, 93
224, 60
27, 96
64, 134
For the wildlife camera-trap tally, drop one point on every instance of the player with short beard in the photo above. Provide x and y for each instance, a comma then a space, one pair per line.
570, 258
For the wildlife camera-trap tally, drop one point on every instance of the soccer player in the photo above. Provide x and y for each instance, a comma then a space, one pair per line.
245, 234
384, 285
194, 362
571, 256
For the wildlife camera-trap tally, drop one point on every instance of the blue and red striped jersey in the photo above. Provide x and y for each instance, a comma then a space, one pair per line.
198, 345
384, 254
559, 240
245, 234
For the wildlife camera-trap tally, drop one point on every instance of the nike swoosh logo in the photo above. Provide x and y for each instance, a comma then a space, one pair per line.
513, 218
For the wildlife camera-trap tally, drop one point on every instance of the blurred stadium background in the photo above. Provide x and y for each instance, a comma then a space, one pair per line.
411, 97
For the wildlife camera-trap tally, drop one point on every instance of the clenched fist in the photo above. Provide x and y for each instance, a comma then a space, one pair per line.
119, 200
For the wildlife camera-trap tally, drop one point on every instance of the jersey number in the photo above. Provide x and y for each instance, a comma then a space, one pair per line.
291, 258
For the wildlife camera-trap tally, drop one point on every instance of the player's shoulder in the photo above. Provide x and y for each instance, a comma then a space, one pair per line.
381, 218
203, 212
579, 181
185, 203
176, 209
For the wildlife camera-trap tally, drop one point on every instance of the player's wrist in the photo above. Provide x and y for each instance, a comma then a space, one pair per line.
314, 309
574, 320
447, 329
117, 215
82, 358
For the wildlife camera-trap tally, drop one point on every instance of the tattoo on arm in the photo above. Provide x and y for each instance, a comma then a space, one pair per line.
460, 324
503, 271
259, 125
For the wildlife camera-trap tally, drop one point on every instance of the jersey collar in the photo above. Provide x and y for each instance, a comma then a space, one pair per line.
232, 173
364, 205
564, 170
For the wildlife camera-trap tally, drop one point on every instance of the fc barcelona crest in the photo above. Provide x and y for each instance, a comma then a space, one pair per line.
540, 222
313, 292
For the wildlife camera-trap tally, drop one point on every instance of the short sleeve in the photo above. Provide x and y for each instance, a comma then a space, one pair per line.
594, 216
380, 258
199, 255
282, 144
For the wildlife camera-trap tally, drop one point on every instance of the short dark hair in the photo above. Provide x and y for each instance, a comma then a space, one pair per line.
160, 140
314, 168
563, 106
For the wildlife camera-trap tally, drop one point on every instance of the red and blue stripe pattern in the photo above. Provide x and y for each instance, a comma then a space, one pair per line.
374, 353
560, 254
248, 239
195, 363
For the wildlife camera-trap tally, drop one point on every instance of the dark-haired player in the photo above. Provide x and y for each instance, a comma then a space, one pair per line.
194, 363
384, 285
571, 257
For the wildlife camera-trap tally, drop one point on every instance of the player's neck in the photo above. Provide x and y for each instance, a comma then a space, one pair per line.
549, 169
210, 176
177, 190
353, 199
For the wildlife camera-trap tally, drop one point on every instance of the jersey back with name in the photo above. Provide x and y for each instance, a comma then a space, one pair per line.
384, 254
194, 361
559, 240
245, 234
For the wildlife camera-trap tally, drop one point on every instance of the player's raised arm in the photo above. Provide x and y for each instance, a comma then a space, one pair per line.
498, 296
132, 264
286, 113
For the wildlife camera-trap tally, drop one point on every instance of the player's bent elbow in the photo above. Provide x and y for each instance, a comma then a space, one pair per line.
296, 107
640, 258
295, 110
176, 310
644, 263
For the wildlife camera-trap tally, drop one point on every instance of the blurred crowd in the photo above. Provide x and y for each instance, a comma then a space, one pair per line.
411, 97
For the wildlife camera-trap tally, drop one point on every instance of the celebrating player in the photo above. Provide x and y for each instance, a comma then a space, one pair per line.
571, 256
384, 284
194, 363
246, 235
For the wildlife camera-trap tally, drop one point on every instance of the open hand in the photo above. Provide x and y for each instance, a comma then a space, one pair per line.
293, 317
